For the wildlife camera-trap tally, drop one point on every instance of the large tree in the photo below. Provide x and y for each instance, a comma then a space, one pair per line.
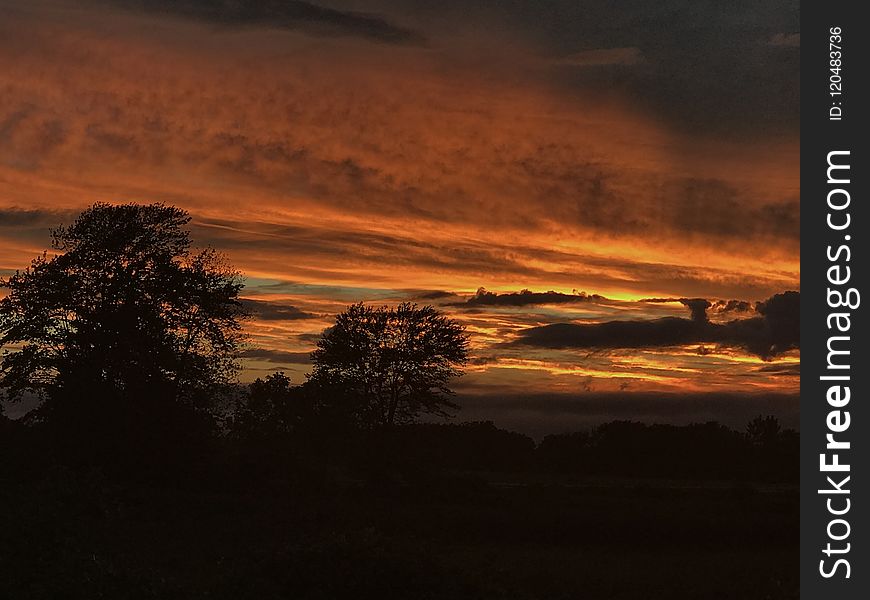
389, 365
124, 308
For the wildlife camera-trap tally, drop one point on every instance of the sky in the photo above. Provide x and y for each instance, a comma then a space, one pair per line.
606, 194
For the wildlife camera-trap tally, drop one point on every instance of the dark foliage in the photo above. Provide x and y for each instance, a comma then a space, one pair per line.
127, 334
704, 451
271, 408
384, 366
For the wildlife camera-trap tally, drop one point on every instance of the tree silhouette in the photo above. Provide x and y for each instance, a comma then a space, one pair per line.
763, 431
125, 308
272, 407
388, 366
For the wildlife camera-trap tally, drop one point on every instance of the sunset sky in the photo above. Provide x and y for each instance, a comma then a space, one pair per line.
619, 161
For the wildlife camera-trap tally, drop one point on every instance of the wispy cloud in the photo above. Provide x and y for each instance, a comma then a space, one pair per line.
287, 14
277, 356
275, 311
525, 298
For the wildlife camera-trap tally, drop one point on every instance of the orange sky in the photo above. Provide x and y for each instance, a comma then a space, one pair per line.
336, 166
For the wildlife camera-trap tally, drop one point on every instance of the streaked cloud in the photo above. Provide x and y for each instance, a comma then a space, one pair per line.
287, 14
274, 311
525, 298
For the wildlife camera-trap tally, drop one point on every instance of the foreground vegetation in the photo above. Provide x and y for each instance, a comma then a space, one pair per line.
466, 511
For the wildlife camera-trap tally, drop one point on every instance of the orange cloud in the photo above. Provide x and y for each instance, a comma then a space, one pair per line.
338, 162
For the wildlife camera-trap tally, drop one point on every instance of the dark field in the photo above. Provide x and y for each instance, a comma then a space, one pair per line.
442, 535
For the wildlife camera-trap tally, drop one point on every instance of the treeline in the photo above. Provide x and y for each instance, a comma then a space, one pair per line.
275, 418
704, 451
317, 447
698, 451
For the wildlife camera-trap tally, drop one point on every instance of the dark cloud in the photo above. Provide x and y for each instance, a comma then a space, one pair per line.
312, 338
525, 298
30, 227
21, 217
782, 317
727, 306
286, 14
277, 356
705, 64
113, 141
275, 311
700, 306
433, 295
727, 66
709, 206
777, 330
701, 206
668, 331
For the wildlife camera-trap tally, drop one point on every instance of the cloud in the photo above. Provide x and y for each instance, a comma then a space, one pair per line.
525, 298
698, 306
275, 311
782, 318
277, 356
789, 370
701, 306
728, 306
705, 64
414, 185
312, 338
400, 255
775, 332
285, 14
14, 216
432, 295
667, 331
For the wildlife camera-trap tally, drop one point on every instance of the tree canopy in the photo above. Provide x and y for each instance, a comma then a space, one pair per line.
123, 306
272, 407
389, 365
